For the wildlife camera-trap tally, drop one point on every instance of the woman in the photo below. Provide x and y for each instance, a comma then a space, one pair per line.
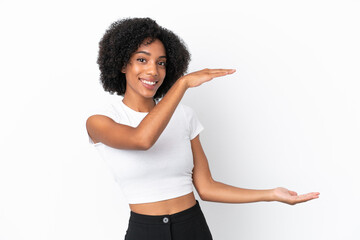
151, 141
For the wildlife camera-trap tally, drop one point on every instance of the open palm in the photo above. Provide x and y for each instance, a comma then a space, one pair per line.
290, 197
197, 78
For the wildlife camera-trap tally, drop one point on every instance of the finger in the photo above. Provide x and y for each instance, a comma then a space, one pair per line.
229, 71
216, 75
306, 197
312, 194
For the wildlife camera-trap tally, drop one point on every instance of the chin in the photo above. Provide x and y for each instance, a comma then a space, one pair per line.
148, 95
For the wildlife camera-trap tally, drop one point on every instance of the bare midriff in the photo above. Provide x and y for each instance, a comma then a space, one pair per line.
165, 207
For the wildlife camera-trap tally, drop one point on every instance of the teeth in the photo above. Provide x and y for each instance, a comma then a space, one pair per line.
147, 82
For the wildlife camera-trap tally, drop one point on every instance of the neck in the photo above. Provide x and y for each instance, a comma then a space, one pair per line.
139, 103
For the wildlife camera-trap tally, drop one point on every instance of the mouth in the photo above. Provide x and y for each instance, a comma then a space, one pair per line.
150, 84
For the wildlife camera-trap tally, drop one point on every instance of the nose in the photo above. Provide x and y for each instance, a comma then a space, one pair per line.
152, 69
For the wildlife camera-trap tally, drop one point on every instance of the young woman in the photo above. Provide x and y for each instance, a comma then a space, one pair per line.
151, 141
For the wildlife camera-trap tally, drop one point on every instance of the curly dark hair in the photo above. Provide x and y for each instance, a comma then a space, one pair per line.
123, 38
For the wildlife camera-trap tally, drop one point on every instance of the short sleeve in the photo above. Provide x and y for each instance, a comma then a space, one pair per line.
106, 110
194, 125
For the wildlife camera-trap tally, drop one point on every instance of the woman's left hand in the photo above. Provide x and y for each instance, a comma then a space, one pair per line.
290, 197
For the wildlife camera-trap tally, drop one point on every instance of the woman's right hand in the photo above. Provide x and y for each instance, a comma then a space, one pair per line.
197, 78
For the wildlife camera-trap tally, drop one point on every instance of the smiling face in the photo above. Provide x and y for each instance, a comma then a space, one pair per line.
146, 70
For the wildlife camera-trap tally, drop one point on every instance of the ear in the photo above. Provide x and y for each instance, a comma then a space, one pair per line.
123, 69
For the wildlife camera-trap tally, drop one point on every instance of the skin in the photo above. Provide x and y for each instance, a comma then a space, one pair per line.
148, 63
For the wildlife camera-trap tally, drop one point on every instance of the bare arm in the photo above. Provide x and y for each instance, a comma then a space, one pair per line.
105, 130
214, 191
220, 192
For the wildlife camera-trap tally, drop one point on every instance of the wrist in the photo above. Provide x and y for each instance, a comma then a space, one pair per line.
183, 82
271, 195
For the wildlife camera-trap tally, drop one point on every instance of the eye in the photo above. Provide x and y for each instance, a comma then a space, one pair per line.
162, 63
141, 59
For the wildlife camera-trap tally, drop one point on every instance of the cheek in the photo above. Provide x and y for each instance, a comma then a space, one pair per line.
132, 74
135, 69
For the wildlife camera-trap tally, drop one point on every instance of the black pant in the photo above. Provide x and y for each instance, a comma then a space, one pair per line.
189, 224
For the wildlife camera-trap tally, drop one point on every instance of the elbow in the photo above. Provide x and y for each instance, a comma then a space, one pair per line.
144, 144
205, 192
143, 138
201, 193
202, 197
139, 140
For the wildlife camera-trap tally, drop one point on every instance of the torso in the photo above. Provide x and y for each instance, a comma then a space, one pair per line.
165, 207
169, 206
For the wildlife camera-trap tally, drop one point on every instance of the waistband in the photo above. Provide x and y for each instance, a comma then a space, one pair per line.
170, 218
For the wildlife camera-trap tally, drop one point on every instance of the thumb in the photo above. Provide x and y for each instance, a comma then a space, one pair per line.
292, 193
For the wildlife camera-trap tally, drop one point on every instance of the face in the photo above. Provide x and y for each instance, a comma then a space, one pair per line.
146, 69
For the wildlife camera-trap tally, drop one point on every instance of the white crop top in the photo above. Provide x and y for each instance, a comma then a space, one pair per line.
162, 172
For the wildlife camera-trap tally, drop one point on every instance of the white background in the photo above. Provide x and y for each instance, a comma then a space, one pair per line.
288, 117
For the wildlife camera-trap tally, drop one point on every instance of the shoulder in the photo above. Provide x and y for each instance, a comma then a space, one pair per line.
185, 107
187, 111
109, 108
194, 125
101, 117
181, 109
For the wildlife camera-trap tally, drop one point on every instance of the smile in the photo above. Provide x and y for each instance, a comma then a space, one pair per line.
148, 82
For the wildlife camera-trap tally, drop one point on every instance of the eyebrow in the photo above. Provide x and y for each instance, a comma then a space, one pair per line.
147, 53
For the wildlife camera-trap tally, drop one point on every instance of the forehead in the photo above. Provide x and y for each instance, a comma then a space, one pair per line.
156, 47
